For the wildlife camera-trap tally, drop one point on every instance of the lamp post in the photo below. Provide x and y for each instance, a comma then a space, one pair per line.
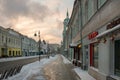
38, 42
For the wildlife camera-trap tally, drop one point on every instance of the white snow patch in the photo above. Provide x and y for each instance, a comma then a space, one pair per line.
16, 58
66, 61
32, 69
83, 74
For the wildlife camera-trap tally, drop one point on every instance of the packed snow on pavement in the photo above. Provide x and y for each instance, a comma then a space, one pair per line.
66, 61
81, 73
32, 69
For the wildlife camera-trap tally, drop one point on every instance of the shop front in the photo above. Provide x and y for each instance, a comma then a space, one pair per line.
104, 53
93, 49
117, 57
76, 54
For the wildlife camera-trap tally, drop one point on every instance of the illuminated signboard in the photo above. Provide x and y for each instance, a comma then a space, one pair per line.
92, 35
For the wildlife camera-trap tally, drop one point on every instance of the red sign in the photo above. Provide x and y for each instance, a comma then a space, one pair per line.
92, 35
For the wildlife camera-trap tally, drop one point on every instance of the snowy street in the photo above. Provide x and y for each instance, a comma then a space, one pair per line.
60, 69
54, 68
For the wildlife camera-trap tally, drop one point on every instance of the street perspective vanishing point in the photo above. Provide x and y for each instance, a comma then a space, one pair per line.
60, 40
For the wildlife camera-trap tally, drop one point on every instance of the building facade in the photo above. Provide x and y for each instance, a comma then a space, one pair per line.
98, 36
3, 42
29, 46
13, 44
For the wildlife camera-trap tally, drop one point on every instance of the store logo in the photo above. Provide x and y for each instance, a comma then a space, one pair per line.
92, 35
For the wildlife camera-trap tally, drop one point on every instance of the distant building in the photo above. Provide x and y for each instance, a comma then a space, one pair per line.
54, 48
44, 47
3, 42
33, 47
13, 44
66, 20
10, 43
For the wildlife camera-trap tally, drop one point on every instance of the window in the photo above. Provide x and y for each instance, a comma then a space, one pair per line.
16, 53
9, 53
94, 55
90, 8
13, 53
2, 38
9, 40
101, 2
117, 57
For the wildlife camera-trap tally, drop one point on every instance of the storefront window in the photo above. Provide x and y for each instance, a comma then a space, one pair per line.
117, 57
95, 55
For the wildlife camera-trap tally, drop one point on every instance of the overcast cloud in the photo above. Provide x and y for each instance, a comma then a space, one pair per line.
30, 16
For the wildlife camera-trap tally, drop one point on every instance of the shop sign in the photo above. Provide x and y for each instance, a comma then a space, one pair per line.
113, 23
92, 35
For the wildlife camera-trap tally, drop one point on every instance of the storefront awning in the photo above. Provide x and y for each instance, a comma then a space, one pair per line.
108, 31
65, 49
72, 45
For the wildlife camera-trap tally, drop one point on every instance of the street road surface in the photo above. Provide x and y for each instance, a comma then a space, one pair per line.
58, 70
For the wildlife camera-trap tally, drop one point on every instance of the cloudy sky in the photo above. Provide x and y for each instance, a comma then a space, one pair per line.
30, 16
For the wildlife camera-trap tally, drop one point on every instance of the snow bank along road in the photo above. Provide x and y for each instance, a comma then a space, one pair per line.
10, 67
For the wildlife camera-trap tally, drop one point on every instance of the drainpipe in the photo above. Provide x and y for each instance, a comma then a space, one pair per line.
80, 25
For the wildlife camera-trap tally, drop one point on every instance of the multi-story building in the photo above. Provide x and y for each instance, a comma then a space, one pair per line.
33, 47
9, 43
29, 46
73, 35
98, 36
101, 38
3, 42
25, 45
12, 43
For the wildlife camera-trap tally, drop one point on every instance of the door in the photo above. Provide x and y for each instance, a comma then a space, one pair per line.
117, 57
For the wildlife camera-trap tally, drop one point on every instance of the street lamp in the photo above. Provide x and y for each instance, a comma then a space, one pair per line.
38, 42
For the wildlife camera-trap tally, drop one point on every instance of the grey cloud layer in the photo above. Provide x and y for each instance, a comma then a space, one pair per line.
28, 8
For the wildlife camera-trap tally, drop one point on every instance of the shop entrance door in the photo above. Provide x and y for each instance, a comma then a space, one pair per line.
117, 57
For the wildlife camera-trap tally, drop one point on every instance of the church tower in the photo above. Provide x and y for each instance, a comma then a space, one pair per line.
66, 20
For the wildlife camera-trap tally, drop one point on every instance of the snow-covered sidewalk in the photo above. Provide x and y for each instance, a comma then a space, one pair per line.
81, 73
33, 71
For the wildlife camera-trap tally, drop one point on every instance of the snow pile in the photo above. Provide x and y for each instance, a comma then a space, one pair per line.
83, 74
32, 70
16, 58
66, 61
